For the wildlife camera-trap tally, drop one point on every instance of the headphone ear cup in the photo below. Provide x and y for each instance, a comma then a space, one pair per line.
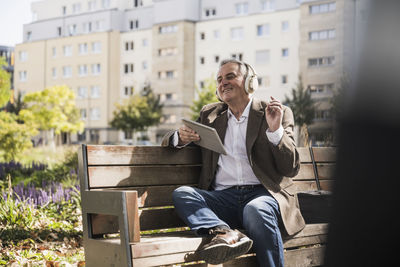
251, 84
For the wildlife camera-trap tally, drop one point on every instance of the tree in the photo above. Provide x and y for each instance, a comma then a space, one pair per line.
205, 95
5, 85
138, 112
53, 110
15, 137
303, 108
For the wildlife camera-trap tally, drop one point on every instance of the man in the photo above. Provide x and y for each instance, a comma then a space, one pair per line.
249, 187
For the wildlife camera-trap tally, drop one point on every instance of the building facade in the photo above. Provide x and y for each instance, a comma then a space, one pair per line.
107, 50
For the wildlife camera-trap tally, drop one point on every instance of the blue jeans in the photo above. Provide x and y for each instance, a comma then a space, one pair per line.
254, 210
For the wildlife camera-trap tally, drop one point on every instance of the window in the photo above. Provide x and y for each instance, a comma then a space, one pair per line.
264, 81
322, 8
217, 34
322, 35
128, 68
105, 3
133, 24
267, 5
216, 58
320, 62
82, 92
285, 52
54, 51
67, 71
87, 27
99, 25
92, 5
129, 46
128, 135
262, 56
237, 33
144, 65
285, 26
94, 91
82, 70
167, 29
83, 49
167, 51
95, 114
170, 74
169, 119
96, 69
59, 31
238, 56
145, 42
284, 79
64, 10
202, 36
322, 115
242, 8
210, 12
54, 73
76, 8
128, 90
321, 88
29, 36
22, 76
82, 111
23, 56
67, 50
202, 60
96, 47
136, 3
263, 30
82, 136
72, 29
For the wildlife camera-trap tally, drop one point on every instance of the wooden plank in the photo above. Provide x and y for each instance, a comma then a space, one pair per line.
125, 176
305, 257
324, 154
306, 172
326, 170
138, 155
104, 224
304, 153
311, 185
133, 217
159, 219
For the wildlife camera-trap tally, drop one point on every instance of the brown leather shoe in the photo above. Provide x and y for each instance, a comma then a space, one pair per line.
226, 245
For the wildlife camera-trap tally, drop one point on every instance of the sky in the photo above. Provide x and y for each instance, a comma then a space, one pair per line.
13, 15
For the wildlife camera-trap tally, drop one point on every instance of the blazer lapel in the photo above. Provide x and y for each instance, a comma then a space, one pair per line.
256, 117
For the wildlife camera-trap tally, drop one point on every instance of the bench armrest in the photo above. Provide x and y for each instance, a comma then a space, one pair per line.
111, 209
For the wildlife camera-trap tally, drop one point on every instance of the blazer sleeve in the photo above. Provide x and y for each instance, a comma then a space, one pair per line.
285, 153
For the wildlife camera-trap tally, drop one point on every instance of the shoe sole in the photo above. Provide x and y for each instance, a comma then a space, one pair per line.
221, 253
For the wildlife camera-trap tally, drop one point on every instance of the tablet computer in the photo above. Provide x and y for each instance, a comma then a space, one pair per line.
209, 137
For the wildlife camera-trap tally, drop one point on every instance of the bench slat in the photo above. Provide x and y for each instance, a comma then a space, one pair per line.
324, 154
138, 155
159, 219
125, 176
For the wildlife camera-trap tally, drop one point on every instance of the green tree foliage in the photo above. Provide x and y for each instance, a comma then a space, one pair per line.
303, 107
54, 109
138, 112
206, 96
15, 137
5, 85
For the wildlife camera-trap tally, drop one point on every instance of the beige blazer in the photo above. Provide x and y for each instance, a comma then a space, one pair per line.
272, 165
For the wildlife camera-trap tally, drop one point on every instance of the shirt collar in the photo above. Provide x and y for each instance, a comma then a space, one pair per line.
245, 113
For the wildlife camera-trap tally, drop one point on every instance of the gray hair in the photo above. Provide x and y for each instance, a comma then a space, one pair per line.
243, 69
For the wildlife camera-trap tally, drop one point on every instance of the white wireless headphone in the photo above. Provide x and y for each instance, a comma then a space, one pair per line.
251, 82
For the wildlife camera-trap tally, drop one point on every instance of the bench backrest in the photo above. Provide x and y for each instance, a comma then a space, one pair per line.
154, 172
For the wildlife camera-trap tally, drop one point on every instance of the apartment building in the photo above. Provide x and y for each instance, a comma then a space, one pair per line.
330, 33
106, 50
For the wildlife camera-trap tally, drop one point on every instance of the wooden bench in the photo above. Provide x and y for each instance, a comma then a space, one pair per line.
126, 196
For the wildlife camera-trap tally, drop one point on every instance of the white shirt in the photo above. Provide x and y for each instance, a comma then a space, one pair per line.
234, 168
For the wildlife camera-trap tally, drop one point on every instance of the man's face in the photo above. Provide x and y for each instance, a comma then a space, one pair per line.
230, 83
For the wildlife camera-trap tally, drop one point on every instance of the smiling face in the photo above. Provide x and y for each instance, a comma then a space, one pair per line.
230, 82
